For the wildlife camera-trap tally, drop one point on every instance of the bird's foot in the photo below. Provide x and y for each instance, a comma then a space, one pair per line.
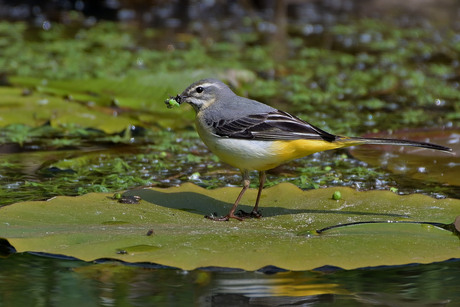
214, 217
253, 214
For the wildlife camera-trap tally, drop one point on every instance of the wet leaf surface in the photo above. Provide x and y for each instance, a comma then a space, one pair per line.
97, 226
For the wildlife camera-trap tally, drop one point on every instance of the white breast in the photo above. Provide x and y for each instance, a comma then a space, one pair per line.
240, 153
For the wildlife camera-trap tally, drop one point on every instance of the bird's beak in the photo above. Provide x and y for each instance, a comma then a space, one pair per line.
179, 98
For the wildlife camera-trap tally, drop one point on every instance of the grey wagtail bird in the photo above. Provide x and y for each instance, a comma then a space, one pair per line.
253, 136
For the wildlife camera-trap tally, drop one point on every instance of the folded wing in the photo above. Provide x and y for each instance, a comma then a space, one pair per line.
277, 125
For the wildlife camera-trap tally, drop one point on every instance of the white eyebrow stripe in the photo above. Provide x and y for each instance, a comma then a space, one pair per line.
207, 84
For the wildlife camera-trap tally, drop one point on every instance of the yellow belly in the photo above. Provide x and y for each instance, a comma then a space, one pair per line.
263, 155
294, 149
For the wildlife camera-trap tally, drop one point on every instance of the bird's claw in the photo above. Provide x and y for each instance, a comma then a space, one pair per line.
253, 214
215, 217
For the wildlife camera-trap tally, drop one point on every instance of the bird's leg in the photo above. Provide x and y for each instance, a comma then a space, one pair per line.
255, 211
231, 214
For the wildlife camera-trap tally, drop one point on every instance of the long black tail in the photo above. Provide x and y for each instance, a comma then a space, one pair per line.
351, 141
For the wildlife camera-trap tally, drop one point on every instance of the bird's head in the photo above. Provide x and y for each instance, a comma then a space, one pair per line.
203, 93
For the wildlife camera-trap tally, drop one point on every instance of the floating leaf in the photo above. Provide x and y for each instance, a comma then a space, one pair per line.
138, 98
167, 227
36, 109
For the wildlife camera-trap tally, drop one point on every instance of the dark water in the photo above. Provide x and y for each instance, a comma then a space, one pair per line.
32, 280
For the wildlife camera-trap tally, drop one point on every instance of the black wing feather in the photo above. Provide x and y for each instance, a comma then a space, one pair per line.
277, 125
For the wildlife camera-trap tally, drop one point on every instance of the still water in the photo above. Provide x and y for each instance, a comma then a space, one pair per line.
35, 280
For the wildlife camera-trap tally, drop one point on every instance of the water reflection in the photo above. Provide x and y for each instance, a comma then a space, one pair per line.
33, 280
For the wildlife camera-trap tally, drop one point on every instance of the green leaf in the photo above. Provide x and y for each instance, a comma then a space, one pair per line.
167, 227
35, 109
110, 105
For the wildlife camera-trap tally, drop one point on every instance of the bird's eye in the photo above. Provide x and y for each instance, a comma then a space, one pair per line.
199, 89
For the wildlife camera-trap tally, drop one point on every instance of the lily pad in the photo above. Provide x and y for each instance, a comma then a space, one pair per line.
139, 91
167, 227
418, 163
37, 109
